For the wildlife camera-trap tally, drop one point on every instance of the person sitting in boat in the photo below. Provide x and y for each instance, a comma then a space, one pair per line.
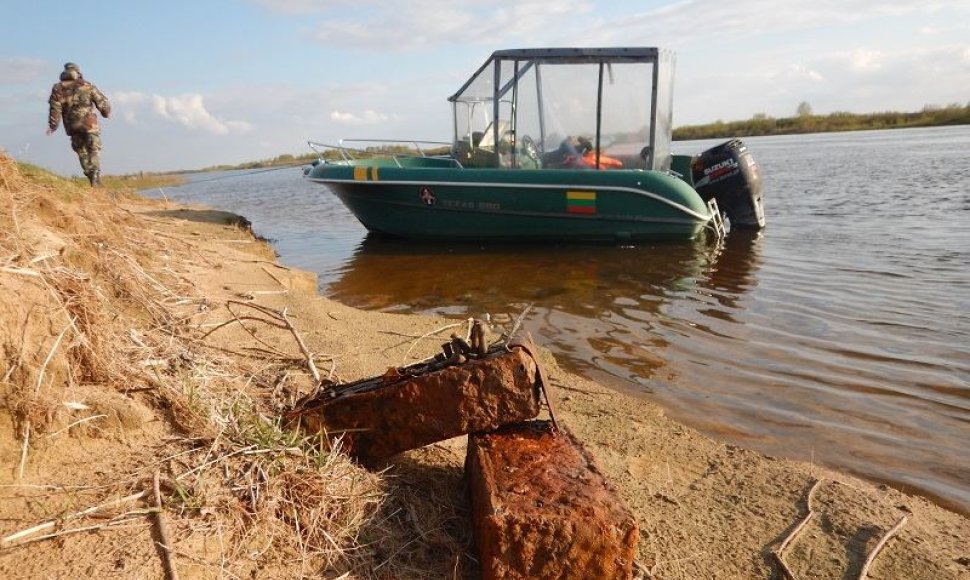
578, 153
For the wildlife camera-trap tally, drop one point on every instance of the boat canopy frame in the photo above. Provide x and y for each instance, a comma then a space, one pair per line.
656, 154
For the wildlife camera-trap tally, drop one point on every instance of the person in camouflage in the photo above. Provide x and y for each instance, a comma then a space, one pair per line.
75, 99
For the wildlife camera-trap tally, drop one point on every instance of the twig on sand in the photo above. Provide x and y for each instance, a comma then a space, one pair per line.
280, 320
864, 572
50, 355
75, 424
23, 450
577, 389
273, 276
274, 264
239, 319
252, 294
7, 540
165, 544
114, 523
779, 554
518, 323
21, 271
426, 335
306, 352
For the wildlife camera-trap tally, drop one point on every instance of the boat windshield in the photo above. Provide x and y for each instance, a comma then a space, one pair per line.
567, 108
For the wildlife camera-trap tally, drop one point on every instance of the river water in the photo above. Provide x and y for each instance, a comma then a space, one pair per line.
840, 334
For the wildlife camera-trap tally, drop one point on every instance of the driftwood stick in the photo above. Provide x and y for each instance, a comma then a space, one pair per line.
274, 264
306, 352
50, 355
216, 460
5, 541
21, 271
237, 318
23, 450
264, 309
67, 532
426, 335
517, 323
273, 276
779, 554
42, 257
252, 294
75, 424
165, 545
864, 573
136, 516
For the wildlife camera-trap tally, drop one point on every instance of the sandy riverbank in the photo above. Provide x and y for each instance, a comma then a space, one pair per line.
131, 345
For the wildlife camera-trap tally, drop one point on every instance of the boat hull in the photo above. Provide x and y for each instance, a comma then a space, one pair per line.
487, 204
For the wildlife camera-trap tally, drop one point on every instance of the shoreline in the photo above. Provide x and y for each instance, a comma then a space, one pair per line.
705, 508
583, 402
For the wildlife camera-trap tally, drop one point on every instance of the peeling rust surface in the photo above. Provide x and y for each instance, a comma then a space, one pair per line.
479, 395
542, 508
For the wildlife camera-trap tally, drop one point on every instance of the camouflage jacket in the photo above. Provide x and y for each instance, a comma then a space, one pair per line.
76, 101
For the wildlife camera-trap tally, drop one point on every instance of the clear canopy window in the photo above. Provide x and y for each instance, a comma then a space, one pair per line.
567, 108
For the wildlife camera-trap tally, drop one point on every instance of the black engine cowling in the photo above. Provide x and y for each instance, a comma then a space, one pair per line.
729, 174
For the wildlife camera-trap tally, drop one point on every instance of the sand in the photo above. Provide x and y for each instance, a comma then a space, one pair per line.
108, 401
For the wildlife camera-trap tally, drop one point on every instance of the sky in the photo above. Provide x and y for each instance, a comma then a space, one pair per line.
204, 82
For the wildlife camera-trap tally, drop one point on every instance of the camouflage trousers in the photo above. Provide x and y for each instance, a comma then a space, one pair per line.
88, 149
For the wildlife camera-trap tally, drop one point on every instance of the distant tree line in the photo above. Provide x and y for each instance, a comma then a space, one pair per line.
278, 161
806, 122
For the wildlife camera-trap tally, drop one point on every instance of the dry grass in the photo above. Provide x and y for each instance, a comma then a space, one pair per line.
100, 307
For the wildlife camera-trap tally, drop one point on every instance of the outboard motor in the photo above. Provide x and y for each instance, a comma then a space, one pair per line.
729, 174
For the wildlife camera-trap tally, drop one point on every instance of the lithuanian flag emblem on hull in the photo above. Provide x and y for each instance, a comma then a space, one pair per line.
581, 202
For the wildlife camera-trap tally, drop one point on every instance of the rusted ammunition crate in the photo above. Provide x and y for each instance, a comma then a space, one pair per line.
406, 408
541, 508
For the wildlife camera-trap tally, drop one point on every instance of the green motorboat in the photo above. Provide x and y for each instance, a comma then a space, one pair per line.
558, 144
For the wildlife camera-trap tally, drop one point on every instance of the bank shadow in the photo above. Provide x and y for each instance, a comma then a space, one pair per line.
424, 522
209, 216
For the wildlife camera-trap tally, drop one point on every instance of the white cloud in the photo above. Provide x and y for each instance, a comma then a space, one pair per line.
126, 104
301, 6
863, 60
189, 111
128, 97
800, 72
692, 20
865, 80
427, 24
377, 25
368, 117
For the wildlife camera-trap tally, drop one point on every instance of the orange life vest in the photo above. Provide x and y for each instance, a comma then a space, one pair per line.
605, 162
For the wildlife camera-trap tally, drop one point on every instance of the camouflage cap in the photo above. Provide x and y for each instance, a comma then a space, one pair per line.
71, 66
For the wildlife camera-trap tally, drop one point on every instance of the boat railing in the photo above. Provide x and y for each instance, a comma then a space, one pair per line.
355, 149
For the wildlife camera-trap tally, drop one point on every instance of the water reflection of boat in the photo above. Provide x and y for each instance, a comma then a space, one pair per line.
562, 144
459, 278
602, 310
731, 272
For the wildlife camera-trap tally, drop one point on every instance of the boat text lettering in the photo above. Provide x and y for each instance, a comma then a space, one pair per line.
461, 204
